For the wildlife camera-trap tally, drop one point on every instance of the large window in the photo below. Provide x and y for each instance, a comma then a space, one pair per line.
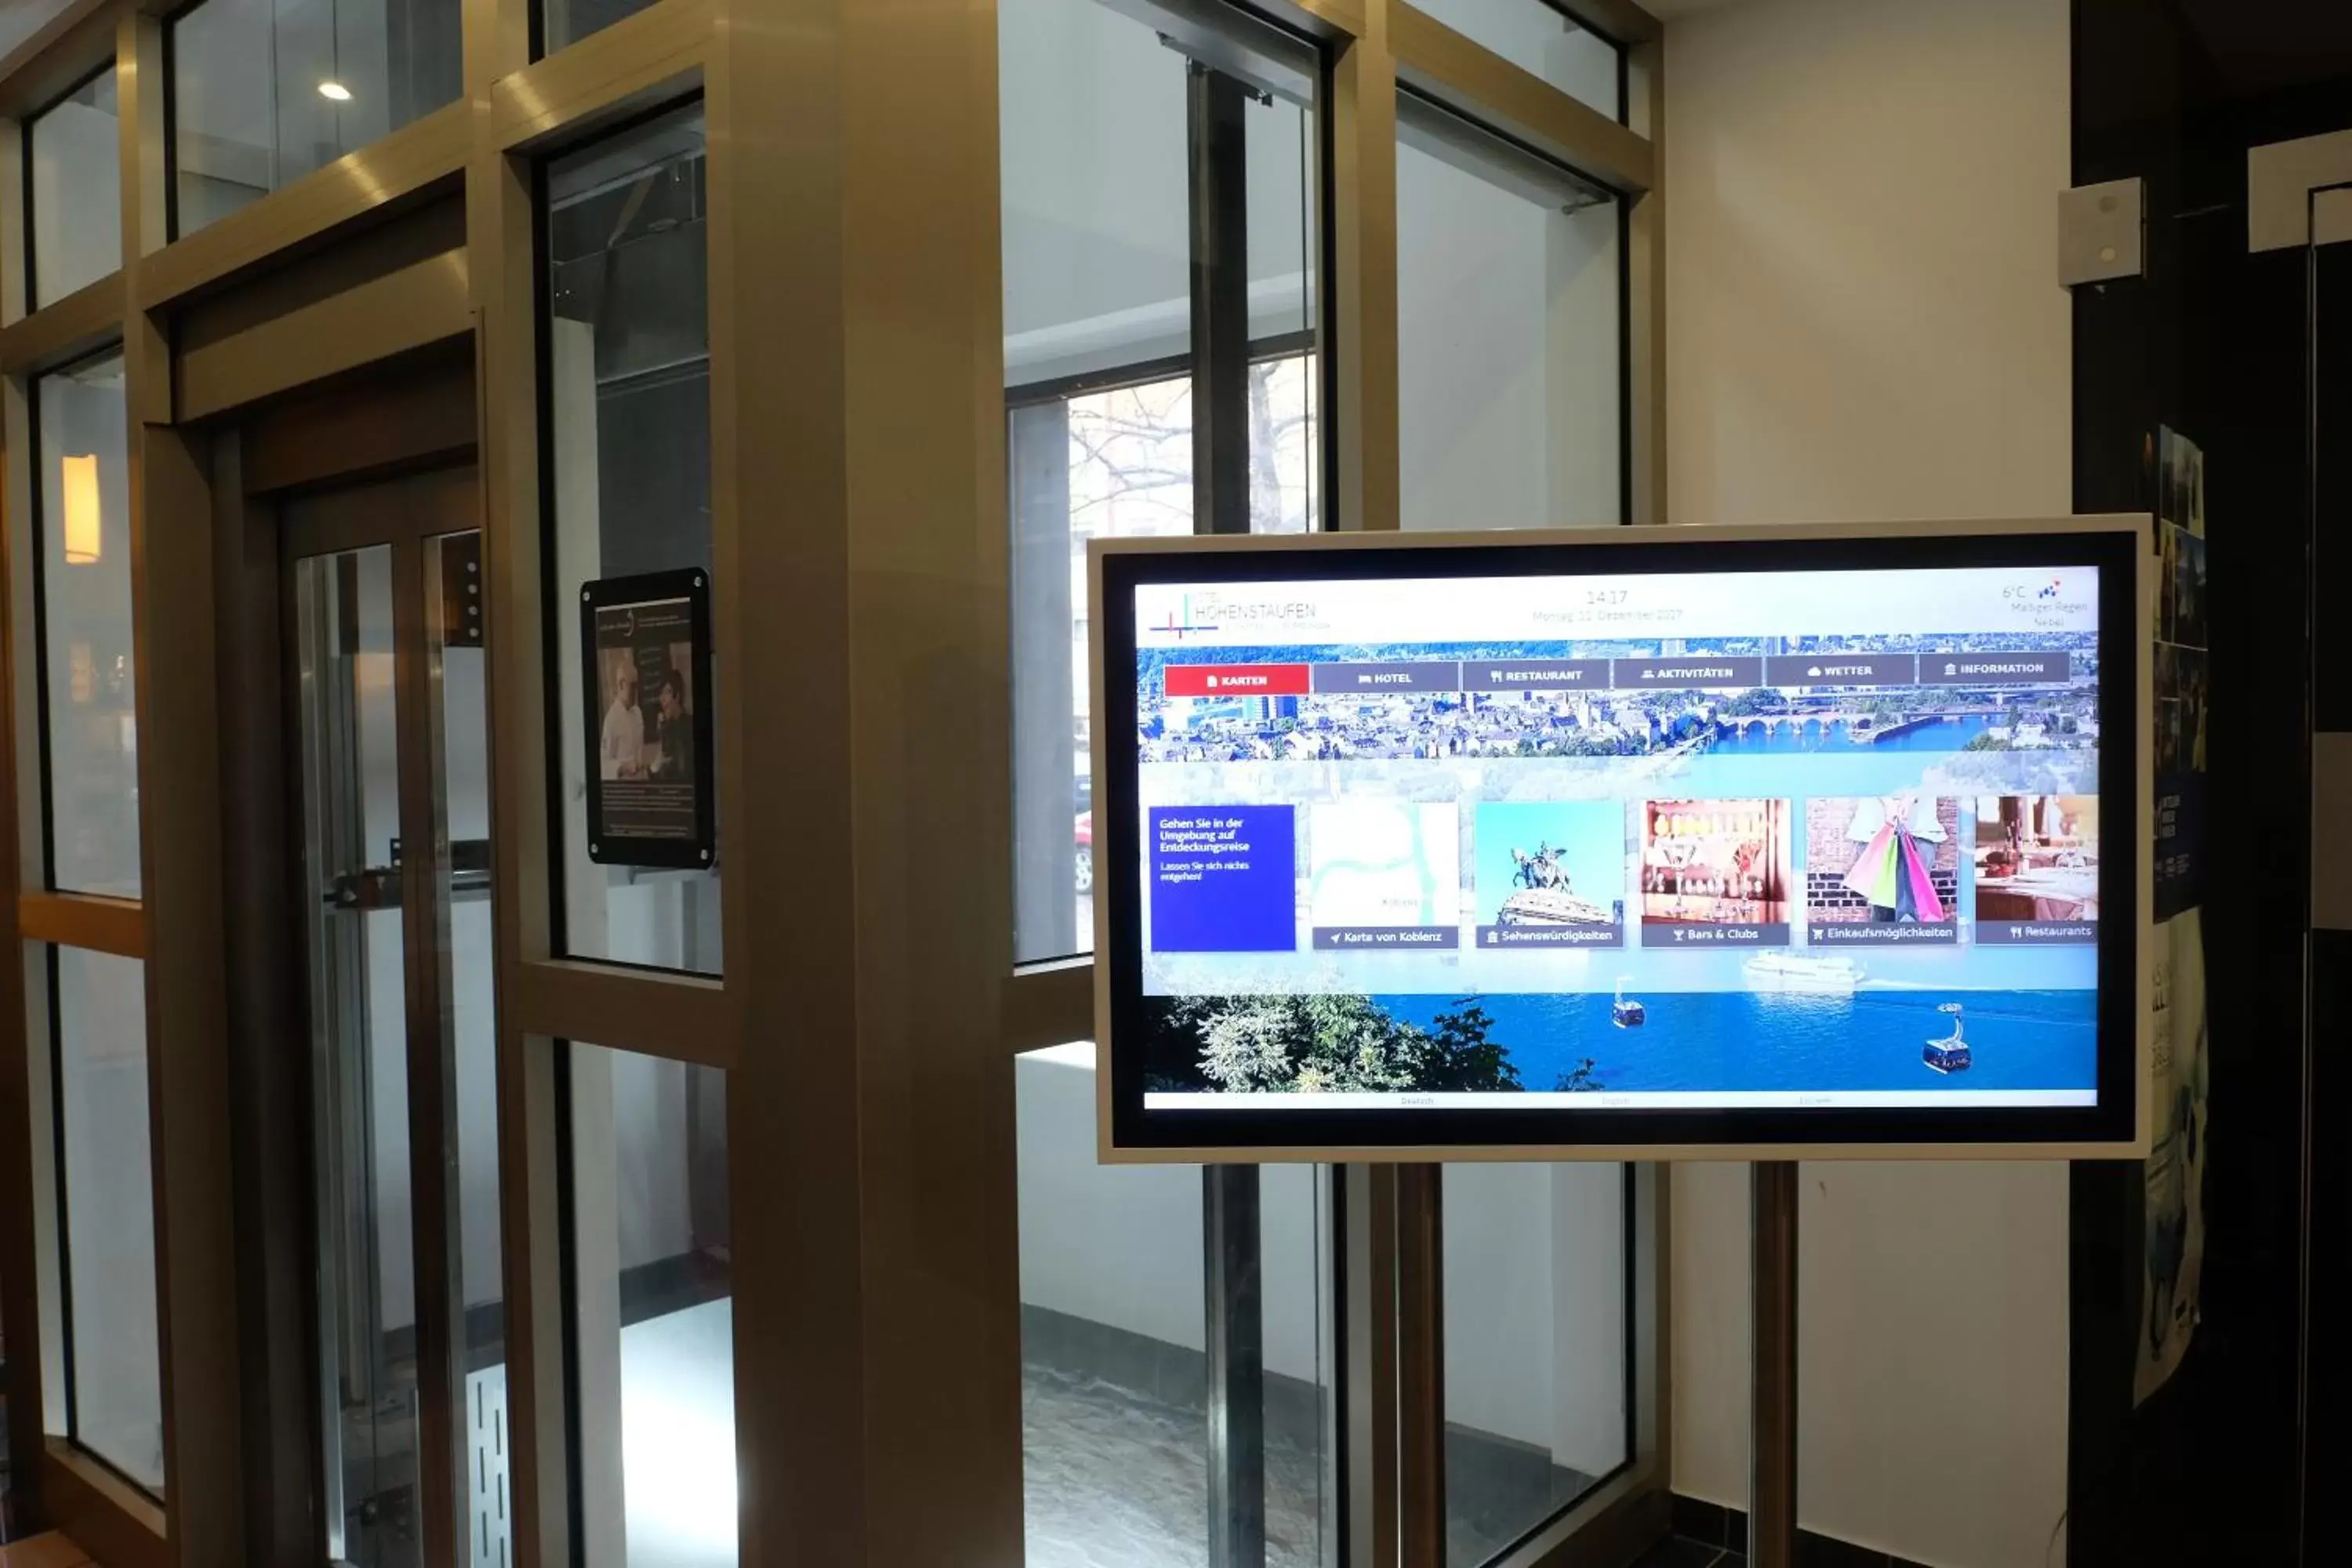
264, 91
1160, 367
653, 1311
1509, 348
82, 477
74, 156
114, 1387
1133, 1280
628, 365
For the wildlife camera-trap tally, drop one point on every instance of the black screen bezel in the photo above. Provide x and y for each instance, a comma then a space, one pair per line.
2113, 1121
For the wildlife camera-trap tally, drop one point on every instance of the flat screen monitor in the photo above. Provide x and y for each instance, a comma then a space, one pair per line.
1619, 843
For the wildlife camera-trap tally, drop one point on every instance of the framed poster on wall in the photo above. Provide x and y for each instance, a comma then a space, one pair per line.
644, 655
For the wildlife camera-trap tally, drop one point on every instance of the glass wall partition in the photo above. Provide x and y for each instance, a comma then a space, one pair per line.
1161, 235
81, 478
264, 91
652, 1310
1510, 342
73, 159
1537, 1380
1128, 1308
1539, 37
627, 362
564, 21
107, 1200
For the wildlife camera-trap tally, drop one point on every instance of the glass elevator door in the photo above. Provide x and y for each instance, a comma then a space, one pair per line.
387, 664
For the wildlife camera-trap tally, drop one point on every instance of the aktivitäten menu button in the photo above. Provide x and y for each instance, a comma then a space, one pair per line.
1687, 672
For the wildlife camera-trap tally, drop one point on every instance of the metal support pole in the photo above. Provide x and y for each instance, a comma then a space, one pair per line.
1221, 333
1772, 1412
1420, 1365
1236, 1338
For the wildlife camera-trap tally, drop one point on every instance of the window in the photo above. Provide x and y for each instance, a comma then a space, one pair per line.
627, 351
264, 91
1509, 349
1117, 1321
73, 158
1538, 38
654, 1308
83, 482
1124, 385
569, 21
21, 21
107, 1198
1536, 1348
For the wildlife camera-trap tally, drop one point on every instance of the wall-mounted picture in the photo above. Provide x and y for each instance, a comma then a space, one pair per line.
2186, 552
646, 647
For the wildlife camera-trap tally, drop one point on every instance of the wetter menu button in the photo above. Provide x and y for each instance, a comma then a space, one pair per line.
1236, 679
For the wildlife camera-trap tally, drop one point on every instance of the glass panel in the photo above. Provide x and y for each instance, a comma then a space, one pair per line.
76, 161
1508, 346
458, 677
109, 1211
1537, 38
264, 91
1535, 1358
1096, 133
22, 20
629, 358
84, 480
569, 21
1114, 1331
654, 1312
349, 765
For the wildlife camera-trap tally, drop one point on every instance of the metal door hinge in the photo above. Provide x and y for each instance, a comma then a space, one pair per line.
2102, 232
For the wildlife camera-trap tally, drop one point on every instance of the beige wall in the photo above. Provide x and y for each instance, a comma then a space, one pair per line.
1863, 323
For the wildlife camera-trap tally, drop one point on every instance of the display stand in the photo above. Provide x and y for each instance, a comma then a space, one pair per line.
1772, 1407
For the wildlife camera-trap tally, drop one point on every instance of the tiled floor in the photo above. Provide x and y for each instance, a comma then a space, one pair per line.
1675, 1551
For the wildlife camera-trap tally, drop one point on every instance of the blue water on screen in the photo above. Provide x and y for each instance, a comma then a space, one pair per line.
1737, 1040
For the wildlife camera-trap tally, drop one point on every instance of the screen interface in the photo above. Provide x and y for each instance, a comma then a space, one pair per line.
1698, 841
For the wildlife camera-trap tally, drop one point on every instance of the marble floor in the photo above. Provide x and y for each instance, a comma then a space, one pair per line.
1116, 1479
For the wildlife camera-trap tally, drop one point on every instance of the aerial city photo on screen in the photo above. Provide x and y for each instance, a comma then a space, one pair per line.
1698, 840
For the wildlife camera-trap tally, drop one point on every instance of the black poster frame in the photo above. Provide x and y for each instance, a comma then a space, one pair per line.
690, 585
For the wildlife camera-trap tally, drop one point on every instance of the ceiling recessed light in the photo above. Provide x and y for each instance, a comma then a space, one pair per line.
335, 90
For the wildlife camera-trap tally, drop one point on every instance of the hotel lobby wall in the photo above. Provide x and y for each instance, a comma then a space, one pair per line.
1863, 320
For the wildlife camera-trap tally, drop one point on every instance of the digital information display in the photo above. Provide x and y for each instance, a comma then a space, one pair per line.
1834, 840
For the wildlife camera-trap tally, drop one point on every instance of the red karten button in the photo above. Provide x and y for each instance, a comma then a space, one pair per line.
1236, 679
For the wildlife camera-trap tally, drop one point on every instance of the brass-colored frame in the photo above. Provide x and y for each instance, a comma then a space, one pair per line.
854, 256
